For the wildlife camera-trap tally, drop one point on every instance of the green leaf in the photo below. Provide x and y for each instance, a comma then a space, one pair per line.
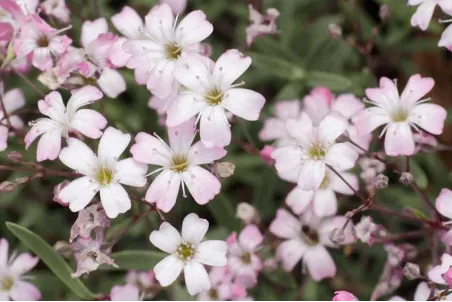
333, 81
418, 213
278, 67
281, 277
224, 212
52, 259
136, 259
179, 293
418, 175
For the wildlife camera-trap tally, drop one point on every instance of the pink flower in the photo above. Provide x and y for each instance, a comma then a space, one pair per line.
212, 93
222, 287
266, 155
261, 24
126, 292
178, 6
12, 281
57, 9
187, 253
243, 260
128, 23
316, 147
275, 127
400, 113
323, 200
164, 46
103, 173
343, 295
180, 165
64, 119
144, 280
306, 240
424, 12
436, 273
42, 40
13, 100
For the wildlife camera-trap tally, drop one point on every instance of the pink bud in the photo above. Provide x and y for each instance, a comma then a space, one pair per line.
56, 191
447, 276
266, 153
343, 295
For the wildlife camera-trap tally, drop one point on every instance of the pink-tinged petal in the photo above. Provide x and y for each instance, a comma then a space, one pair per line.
389, 90
89, 122
300, 129
126, 292
193, 28
429, 117
53, 107
348, 105
318, 103
288, 109
273, 129
215, 130
194, 73
130, 172
159, 21
13, 100
319, 262
167, 238
40, 127
212, 252
194, 228
196, 278
202, 184
339, 186
128, 23
6, 31
336, 222
49, 146
79, 157
150, 150
229, 67
244, 103
163, 190
60, 44
290, 253
111, 82
369, 119
446, 6
447, 238
250, 238
422, 292
362, 141
42, 59
79, 193
341, 157
200, 154
23, 263
311, 175
112, 144
4, 245
167, 270
184, 107
288, 162
82, 97
416, 88
92, 29
446, 38
399, 140
178, 6
118, 57
25, 291
444, 203
423, 15
331, 127
436, 273
299, 200
343, 295
13, 8
325, 203
115, 200
161, 80
3, 138
181, 136
285, 225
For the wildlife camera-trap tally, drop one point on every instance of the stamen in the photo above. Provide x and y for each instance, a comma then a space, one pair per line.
183, 189
445, 21
238, 84
175, 22
155, 171
62, 30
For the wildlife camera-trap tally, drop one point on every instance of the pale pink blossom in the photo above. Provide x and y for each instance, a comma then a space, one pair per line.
365, 229
306, 239
12, 100
103, 173
266, 154
261, 24
223, 287
446, 38
243, 260
323, 200
247, 213
129, 23
444, 206
188, 253
401, 113
424, 12
306, 161
436, 273
127, 292
343, 295
178, 6
65, 119
57, 9
275, 127
180, 165
163, 46
89, 219
42, 40
13, 284
144, 280
212, 94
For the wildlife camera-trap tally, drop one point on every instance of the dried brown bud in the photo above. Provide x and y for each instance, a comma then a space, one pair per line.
224, 169
7, 186
337, 236
381, 182
335, 31
406, 178
14, 156
411, 271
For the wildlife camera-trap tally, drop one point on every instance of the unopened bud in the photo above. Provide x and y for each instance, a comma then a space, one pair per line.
14, 156
337, 236
7, 186
224, 169
406, 178
343, 295
381, 182
384, 12
335, 31
247, 213
411, 271
266, 154
447, 277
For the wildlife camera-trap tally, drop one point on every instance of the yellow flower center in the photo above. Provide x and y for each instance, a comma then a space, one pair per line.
104, 176
6, 283
185, 251
214, 97
400, 115
317, 151
179, 164
173, 52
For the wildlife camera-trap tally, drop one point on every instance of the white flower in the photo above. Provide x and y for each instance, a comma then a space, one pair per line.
365, 228
187, 253
103, 173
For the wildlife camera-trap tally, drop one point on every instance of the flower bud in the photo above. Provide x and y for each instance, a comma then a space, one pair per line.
7, 186
335, 31
247, 213
381, 182
337, 236
406, 178
411, 271
224, 169
343, 295
14, 156
447, 277
266, 153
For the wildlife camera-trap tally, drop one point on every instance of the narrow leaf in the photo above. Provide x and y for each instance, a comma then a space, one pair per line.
137, 259
224, 212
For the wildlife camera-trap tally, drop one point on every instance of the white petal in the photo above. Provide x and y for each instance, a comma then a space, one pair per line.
115, 200
202, 184
112, 144
319, 262
128, 22
331, 127
194, 228
229, 67
200, 154
311, 175
196, 278
79, 157
130, 172
4, 252
79, 193
49, 145
82, 97
193, 28
13, 99
285, 225
167, 238
92, 29
215, 129
299, 200
341, 157
212, 252
150, 150
164, 190
111, 82
181, 137
325, 203
290, 253
399, 140
167, 270
244, 103
184, 107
